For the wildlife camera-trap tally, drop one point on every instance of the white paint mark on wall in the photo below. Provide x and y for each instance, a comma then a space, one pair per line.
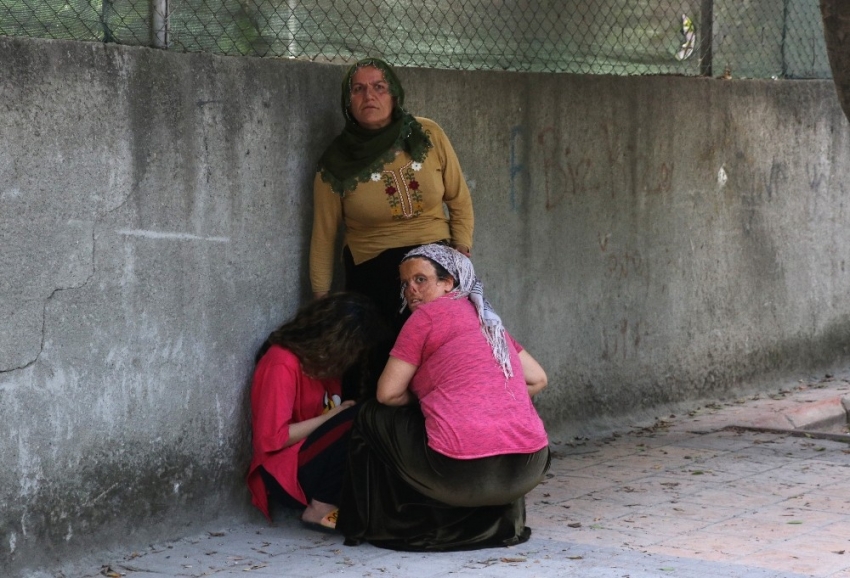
176, 488
29, 466
13, 541
219, 420
12, 193
69, 534
722, 177
170, 236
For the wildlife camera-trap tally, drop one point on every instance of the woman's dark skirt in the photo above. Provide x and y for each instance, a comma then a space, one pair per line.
398, 493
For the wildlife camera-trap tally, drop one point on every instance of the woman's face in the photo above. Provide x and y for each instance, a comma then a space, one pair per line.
371, 101
420, 283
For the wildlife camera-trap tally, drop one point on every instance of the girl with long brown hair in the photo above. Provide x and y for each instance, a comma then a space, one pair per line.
299, 421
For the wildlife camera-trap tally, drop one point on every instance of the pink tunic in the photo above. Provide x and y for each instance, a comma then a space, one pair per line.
471, 409
281, 394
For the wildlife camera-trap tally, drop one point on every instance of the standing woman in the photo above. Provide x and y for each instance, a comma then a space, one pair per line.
299, 422
385, 178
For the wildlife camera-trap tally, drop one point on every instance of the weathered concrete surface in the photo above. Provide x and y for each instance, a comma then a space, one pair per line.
153, 222
652, 241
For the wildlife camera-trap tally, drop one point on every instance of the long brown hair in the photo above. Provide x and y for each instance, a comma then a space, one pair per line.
332, 334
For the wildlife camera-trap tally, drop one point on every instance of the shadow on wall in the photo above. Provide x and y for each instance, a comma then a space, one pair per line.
836, 24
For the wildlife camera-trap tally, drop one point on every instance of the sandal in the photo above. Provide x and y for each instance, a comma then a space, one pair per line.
326, 524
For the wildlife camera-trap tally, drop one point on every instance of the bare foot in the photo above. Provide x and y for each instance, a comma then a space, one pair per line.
316, 512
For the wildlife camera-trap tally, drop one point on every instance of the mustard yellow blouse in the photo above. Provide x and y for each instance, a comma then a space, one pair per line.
401, 205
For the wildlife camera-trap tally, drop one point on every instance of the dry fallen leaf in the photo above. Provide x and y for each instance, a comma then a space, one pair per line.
512, 560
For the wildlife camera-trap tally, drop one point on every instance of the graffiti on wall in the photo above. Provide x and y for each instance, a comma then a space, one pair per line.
621, 341
573, 166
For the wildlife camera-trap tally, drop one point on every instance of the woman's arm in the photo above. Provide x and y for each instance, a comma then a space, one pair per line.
327, 216
535, 376
274, 394
455, 191
392, 385
300, 430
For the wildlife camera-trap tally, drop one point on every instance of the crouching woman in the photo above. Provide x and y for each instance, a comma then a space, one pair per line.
443, 458
299, 422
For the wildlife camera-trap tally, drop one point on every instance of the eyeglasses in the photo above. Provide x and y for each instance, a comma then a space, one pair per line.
379, 88
419, 281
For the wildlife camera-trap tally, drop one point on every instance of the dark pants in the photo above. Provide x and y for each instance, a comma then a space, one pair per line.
378, 279
321, 462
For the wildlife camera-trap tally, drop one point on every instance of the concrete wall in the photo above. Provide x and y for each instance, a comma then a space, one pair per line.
653, 242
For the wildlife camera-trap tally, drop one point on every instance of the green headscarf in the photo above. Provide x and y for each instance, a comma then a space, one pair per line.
356, 153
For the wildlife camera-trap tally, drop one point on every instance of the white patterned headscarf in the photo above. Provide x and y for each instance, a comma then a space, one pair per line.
468, 285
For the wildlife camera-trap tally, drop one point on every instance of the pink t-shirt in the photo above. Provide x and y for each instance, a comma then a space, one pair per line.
471, 409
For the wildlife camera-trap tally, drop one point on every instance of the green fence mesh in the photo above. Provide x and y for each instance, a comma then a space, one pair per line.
739, 38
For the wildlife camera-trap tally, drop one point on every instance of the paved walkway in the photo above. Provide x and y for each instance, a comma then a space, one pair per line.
684, 497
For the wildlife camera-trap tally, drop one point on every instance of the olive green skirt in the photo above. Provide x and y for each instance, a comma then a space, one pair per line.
398, 493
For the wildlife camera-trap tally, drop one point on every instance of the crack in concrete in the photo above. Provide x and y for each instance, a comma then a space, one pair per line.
799, 433
93, 260
47, 301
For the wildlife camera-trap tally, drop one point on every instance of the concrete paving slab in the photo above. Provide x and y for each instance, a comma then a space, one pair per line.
682, 497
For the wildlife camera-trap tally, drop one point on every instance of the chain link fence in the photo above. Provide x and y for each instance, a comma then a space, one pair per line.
736, 38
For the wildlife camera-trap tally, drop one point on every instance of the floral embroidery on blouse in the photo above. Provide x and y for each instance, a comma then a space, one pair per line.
402, 189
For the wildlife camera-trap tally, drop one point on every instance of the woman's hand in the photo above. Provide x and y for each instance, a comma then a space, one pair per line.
392, 385
342, 406
299, 431
464, 250
535, 376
